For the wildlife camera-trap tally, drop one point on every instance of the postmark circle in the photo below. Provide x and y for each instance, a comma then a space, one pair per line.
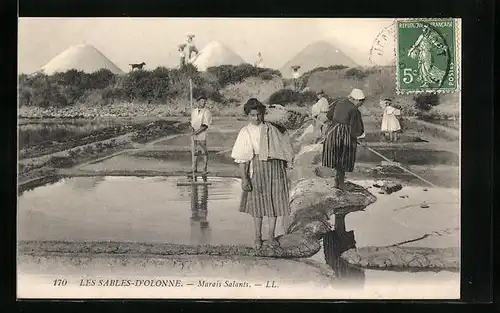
383, 49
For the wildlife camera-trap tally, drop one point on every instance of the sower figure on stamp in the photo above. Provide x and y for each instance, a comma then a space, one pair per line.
201, 119
263, 151
428, 72
344, 128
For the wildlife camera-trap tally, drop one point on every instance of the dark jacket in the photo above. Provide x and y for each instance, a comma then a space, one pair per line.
345, 112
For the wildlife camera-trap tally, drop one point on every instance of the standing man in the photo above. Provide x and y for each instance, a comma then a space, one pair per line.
192, 50
260, 61
296, 76
201, 119
182, 55
319, 111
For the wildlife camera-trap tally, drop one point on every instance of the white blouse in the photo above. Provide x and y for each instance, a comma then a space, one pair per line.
391, 110
247, 143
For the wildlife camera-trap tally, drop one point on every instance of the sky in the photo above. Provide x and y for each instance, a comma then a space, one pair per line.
155, 40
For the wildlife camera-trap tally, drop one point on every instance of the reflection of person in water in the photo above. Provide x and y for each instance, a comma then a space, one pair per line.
200, 230
422, 50
334, 244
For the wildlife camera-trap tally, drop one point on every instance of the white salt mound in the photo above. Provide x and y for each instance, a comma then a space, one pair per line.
216, 54
317, 54
82, 57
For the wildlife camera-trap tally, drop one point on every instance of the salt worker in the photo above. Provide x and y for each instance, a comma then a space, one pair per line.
319, 111
182, 55
344, 128
192, 50
263, 151
296, 76
201, 119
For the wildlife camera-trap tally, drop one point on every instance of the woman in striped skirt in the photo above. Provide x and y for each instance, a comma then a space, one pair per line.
345, 126
263, 151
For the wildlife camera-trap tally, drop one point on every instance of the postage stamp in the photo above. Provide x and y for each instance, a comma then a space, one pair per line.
427, 54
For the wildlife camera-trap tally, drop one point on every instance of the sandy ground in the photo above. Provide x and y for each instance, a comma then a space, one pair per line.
292, 280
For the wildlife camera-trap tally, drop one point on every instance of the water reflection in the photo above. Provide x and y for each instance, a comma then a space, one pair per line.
200, 227
335, 243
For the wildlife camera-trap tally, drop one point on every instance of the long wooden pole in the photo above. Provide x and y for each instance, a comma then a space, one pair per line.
391, 162
404, 169
193, 159
193, 174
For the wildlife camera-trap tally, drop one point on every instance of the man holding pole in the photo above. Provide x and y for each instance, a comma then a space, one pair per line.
201, 119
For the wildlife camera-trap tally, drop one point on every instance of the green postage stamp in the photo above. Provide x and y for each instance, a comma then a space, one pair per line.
427, 55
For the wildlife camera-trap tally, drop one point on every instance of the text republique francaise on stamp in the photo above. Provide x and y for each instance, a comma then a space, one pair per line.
427, 56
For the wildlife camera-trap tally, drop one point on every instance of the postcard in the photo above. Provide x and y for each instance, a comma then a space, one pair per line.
239, 158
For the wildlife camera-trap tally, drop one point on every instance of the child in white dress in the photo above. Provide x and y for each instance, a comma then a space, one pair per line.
390, 122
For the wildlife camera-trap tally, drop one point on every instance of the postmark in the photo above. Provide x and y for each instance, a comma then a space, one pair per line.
383, 49
427, 56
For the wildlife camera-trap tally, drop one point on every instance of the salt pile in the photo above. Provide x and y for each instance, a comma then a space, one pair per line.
82, 57
216, 54
317, 54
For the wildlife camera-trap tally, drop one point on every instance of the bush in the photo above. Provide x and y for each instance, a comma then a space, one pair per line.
305, 77
233, 74
94, 97
101, 79
425, 101
288, 96
356, 73
266, 76
161, 85
48, 95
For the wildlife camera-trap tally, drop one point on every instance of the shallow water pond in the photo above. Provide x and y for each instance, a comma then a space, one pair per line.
156, 210
134, 209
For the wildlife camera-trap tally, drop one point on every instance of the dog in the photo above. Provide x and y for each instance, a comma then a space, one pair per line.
137, 66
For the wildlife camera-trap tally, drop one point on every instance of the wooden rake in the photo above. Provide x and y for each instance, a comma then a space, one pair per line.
192, 183
390, 162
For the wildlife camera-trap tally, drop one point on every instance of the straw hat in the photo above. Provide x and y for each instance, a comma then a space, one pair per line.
357, 94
